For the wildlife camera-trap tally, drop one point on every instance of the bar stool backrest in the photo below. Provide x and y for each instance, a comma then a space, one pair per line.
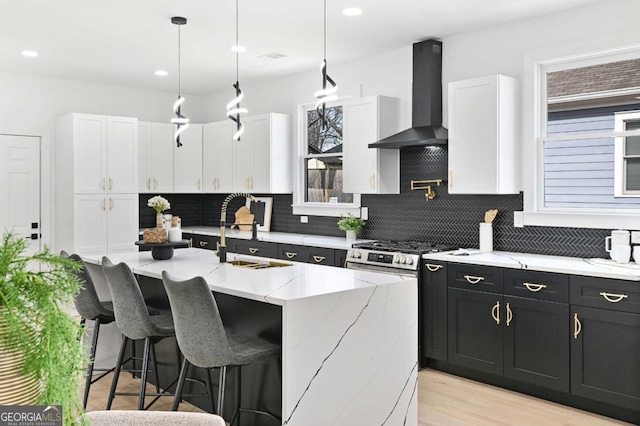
132, 316
87, 302
199, 328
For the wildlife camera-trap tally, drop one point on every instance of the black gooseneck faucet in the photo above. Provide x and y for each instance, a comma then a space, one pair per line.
222, 245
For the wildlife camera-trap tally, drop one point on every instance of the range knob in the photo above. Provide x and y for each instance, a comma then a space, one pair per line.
409, 261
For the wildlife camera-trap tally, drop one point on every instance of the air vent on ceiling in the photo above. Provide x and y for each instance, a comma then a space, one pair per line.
272, 56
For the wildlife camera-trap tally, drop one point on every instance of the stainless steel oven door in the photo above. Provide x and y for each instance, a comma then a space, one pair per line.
383, 269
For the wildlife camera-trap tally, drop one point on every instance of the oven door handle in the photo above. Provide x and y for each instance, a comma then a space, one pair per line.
383, 269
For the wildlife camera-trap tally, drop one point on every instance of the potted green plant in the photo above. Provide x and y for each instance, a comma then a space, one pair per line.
35, 332
351, 224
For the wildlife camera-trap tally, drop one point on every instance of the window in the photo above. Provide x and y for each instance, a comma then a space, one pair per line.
587, 168
318, 165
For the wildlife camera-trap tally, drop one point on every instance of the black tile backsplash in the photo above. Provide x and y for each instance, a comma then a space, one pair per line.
447, 219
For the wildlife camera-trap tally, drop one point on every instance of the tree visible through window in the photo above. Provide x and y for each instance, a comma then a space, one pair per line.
323, 159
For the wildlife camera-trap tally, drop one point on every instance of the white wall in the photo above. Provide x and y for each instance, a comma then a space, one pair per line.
30, 104
388, 73
498, 50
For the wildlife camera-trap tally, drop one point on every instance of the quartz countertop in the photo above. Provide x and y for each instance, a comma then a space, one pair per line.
604, 268
277, 237
277, 285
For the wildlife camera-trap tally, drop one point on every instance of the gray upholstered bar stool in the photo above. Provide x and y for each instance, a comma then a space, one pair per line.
205, 343
90, 308
135, 323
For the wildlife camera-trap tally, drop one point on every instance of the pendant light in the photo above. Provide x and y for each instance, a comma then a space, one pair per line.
181, 122
233, 107
325, 94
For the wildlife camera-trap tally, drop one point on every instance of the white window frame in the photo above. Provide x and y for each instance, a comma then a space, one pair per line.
620, 161
534, 128
300, 206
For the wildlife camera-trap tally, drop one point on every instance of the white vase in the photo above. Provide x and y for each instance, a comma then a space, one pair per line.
351, 235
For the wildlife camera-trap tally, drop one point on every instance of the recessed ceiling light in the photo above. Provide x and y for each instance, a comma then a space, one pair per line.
29, 53
239, 49
352, 11
161, 73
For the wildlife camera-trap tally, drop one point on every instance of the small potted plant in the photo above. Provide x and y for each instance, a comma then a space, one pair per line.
41, 347
351, 224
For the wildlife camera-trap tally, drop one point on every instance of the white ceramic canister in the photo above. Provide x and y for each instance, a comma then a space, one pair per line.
175, 235
486, 237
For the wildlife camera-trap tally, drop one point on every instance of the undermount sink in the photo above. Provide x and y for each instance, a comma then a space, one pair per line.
257, 265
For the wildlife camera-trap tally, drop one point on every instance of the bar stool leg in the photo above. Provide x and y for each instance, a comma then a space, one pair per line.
181, 379
221, 387
143, 374
154, 360
116, 372
207, 377
92, 357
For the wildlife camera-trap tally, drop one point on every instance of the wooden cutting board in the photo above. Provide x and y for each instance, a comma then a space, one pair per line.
244, 219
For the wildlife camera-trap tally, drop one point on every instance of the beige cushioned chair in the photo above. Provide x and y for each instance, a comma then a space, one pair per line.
152, 418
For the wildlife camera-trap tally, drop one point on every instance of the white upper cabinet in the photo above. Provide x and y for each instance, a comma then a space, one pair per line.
370, 170
187, 161
483, 136
156, 157
104, 151
262, 156
217, 157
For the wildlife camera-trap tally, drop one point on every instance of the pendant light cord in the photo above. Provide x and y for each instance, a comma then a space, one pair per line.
179, 77
237, 43
325, 30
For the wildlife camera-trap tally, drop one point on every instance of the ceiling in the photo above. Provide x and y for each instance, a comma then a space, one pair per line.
123, 42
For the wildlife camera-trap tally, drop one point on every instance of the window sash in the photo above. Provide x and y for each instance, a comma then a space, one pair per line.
301, 155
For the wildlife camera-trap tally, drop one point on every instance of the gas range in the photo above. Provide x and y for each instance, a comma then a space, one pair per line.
392, 255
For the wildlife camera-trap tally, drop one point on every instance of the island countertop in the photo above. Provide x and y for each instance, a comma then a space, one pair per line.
349, 337
277, 285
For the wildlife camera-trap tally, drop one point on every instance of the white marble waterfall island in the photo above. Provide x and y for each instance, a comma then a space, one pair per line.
349, 338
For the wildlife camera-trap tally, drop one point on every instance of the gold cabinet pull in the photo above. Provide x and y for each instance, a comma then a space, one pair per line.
509, 315
110, 184
372, 181
432, 267
534, 287
495, 312
111, 204
102, 184
253, 250
290, 255
450, 178
577, 326
102, 204
149, 183
198, 184
319, 259
213, 184
155, 184
246, 183
473, 280
612, 297
203, 243
251, 180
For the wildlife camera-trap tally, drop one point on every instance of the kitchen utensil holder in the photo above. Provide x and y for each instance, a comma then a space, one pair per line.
486, 237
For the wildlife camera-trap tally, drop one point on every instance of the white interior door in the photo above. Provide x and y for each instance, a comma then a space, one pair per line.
20, 188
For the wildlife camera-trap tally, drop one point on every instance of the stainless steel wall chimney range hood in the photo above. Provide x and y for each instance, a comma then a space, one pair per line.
426, 103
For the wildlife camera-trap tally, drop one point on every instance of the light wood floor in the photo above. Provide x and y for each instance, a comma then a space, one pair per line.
443, 400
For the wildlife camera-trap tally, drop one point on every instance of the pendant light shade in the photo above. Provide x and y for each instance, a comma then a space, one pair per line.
326, 94
181, 122
233, 107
